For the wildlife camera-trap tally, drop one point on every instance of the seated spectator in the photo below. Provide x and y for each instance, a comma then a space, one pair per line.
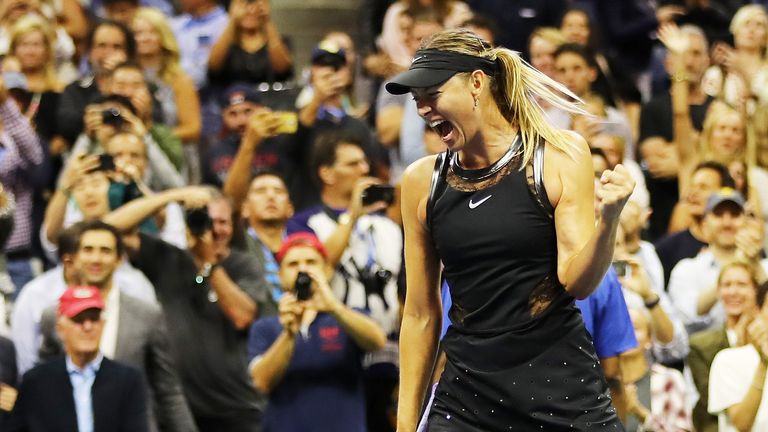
250, 49
656, 127
542, 45
737, 379
708, 178
656, 395
63, 395
196, 30
615, 150
158, 54
214, 294
364, 247
740, 294
109, 44
63, 49
22, 152
308, 359
732, 235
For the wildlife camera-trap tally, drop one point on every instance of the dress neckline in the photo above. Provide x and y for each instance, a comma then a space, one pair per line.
475, 175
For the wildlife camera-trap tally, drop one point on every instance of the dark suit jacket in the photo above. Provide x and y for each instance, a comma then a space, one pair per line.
142, 342
46, 404
704, 346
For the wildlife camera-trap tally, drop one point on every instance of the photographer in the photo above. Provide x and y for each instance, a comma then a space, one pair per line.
309, 357
210, 295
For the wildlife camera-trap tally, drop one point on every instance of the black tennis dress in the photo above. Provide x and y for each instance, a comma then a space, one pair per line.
518, 355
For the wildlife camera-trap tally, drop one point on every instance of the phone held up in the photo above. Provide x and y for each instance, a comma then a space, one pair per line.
289, 122
303, 287
377, 193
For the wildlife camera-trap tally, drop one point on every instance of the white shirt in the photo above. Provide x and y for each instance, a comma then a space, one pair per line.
691, 277
730, 378
111, 315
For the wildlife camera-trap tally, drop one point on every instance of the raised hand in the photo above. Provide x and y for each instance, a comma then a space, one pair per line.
289, 313
616, 186
673, 38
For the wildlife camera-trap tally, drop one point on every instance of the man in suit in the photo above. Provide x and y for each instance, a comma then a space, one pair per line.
84, 391
135, 334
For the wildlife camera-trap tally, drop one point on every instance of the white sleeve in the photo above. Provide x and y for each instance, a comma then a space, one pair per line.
730, 376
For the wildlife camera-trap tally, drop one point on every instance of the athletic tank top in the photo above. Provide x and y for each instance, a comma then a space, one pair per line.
495, 234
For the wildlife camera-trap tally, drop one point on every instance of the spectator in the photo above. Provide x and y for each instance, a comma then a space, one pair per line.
656, 395
737, 379
7, 289
656, 127
43, 292
22, 152
732, 235
158, 54
63, 394
122, 11
708, 178
364, 247
740, 294
542, 45
250, 49
633, 220
740, 75
616, 151
215, 297
109, 44
483, 27
519, 20
134, 330
309, 358
196, 31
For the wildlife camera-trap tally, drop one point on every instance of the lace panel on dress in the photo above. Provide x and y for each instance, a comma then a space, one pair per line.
543, 295
463, 185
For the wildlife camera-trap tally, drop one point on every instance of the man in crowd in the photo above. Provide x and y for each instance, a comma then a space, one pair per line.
214, 294
364, 247
732, 235
134, 331
85, 390
309, 357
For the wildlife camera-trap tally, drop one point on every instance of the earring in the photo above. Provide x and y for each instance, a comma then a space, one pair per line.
475, 107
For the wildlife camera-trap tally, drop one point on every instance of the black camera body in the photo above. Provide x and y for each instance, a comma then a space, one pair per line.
112, 117
198, 221
376, 193
374, 281
303, 287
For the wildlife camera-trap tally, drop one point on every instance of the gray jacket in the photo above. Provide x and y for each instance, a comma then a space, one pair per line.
142, 342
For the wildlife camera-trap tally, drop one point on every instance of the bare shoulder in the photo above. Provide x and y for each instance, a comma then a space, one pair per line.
415, 185
563, 168
418, 175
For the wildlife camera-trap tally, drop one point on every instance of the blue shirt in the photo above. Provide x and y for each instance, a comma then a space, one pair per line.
82, 382
321, 389
196, 36
607, 318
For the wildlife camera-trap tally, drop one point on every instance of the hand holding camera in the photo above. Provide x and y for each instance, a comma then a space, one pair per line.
328, 83
370, 196
321, 296
78, 166
262, 124
289, 311
634, 278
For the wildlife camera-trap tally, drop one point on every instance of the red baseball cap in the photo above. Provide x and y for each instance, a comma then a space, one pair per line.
301, 239
79, 298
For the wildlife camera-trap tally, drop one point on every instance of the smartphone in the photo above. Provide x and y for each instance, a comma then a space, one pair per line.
106, 162
289, 122
303, 286
376, 193
622, 268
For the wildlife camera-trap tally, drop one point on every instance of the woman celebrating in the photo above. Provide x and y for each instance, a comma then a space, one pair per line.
510, 215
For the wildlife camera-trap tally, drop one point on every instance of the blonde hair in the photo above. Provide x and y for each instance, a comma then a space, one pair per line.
745, 13
515, 90
716, 112
550, 34
170, 67
751, 270
35, 23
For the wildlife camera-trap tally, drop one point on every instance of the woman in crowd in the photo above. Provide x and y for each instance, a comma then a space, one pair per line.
740, 73
740, 293
738, 374
158, 54
515, 250
250, 49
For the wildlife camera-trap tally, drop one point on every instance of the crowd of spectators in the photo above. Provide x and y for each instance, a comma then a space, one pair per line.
199, 236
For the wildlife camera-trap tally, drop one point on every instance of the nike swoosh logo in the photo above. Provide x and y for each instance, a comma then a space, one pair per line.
417, 59
474, 205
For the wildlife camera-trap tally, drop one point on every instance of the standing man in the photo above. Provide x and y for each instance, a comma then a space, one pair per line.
84, 391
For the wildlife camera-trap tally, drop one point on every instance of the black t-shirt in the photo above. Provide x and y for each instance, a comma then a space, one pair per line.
656, 117
210, 353
674, 247
243, 66
663, 194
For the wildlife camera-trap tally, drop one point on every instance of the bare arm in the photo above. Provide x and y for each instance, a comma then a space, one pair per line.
742, 415
279, 55
268, 370
238, 306
422, 315
584, 251
220, 49
188, 129
388, 123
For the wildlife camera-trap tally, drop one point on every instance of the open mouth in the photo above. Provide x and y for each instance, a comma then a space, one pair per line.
443, 129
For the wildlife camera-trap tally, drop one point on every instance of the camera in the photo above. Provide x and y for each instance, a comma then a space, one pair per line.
376, 193
112, 117
106, 162
375, 281
623, 269
198, 221
303, 286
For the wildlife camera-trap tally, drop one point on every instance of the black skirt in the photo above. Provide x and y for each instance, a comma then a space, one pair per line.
558, 388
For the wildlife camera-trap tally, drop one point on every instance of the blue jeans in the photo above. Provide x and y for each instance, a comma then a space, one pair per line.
20, 271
